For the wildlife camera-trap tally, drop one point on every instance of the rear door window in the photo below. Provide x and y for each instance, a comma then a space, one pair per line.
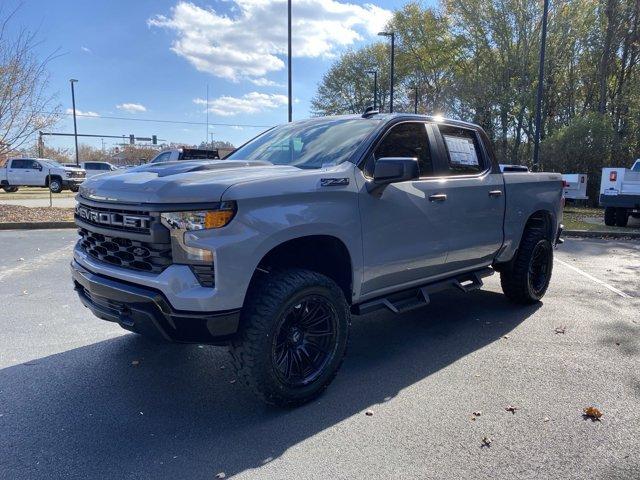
19, 164
463, 151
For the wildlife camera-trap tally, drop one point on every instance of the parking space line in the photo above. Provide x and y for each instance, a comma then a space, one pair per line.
597, 280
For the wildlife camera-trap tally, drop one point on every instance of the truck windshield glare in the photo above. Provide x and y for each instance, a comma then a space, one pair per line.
308, 144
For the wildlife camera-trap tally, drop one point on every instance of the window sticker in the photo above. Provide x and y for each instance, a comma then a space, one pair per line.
462, 151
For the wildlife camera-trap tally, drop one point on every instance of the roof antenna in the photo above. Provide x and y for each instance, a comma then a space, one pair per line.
370, 111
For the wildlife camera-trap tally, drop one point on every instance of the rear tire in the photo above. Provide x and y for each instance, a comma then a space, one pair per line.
622, 217
55, 185
526, 280
610, 216
295, 327
10, 189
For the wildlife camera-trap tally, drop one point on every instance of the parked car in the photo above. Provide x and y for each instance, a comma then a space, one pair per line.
176, 154
620, 194
97, 168
272, 250
39, 172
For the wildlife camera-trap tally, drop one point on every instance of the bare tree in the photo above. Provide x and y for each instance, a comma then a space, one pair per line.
25, 104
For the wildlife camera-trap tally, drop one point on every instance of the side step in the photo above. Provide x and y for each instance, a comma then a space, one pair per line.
416, 297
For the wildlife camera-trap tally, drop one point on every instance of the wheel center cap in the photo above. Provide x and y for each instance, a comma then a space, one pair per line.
295, 335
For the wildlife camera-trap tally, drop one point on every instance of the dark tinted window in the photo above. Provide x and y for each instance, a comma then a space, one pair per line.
463, 150
20, 163
408, 140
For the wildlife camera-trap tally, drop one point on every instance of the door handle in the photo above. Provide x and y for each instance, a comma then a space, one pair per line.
495, 193
438, 197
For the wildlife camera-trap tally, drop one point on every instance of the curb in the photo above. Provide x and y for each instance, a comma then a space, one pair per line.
599, 234
36, 225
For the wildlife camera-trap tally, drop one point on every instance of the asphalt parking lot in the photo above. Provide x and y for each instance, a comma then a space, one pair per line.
81, 398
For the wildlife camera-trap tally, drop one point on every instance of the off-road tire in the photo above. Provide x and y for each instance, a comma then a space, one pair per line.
74, 189
622, 217
610, 216
516, 279
267, 303
55, 185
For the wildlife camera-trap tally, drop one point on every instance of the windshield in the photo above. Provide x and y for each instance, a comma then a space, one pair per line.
636, 166
308, 144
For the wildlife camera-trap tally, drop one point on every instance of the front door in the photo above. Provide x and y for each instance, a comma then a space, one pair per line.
404, 231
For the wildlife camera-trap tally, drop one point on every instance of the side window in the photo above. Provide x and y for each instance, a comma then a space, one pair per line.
89, 166
19, 164
35, 165
407, 140
463, 150
104, 166
163, 157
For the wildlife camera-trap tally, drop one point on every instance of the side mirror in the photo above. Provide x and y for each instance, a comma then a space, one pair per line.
391, 170
37, 166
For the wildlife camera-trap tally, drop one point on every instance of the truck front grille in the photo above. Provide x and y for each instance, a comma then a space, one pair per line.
126, 253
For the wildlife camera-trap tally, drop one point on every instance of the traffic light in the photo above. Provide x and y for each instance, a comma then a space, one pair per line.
154, 139
132, 139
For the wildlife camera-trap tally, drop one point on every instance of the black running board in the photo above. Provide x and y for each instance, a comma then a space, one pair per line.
416, 297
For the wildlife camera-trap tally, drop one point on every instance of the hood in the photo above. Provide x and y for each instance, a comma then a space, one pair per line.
178, 182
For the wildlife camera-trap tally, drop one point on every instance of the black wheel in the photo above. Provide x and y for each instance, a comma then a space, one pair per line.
294, 334
74, 188
610, 216
526, 280
55, 185
622, 217
10, 189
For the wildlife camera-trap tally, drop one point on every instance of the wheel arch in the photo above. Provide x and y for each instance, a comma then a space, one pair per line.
325, 254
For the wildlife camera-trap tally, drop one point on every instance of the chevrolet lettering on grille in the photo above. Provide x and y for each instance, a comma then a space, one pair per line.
112, 218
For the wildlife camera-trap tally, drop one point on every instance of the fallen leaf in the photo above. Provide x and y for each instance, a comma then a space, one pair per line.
505, 336
511, 408
232, 381
546, 419
222, 367
486, 442
477, 414
369, 413
593, 413
561, 329
21, 259
135, 362
221, 475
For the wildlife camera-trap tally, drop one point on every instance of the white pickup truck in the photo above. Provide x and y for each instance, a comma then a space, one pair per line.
39, 172
620, 194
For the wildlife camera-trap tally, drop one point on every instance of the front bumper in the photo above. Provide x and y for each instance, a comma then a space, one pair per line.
72, 182
147, 311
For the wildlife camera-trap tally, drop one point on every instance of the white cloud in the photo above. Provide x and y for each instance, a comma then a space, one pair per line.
263, 82
250, 43
132, 107
69, 111
85, 49
249, 103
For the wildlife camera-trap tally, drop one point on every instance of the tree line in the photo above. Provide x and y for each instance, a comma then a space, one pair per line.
477, 60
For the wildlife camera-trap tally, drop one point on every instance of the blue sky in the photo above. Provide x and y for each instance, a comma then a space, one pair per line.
154, 58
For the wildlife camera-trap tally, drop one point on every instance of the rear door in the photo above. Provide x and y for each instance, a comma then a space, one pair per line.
404, 231
474, 190
16, 172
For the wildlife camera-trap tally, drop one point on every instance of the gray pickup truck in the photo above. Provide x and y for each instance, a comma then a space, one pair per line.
272, 250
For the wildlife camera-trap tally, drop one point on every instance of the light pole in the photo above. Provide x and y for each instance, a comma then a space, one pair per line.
75, 126
289, 59
375, 87
393, 46
415, 100
543, 42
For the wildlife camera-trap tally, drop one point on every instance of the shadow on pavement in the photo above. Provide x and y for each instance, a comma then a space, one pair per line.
90, 413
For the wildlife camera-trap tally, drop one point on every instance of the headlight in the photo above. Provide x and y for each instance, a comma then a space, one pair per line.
201, 219
181, 224
69, 174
